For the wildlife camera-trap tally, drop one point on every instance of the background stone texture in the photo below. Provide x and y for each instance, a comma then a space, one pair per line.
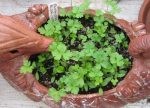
9, 97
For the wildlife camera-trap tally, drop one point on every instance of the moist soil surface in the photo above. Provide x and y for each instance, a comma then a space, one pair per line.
44, 79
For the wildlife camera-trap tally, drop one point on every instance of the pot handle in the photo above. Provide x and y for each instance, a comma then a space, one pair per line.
133, 29
18, 36
140, 47
14, 37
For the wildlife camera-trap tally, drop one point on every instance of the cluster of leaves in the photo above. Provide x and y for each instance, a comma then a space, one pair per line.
27, 67
112, 4
85, 56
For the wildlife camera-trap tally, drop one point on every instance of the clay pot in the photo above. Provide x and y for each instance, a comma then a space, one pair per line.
134, 87
144, 15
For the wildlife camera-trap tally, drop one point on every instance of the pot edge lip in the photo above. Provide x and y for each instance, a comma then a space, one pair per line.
144, 6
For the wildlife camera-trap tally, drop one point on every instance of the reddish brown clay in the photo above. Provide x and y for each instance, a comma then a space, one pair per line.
18, 41
134, 87
144, 15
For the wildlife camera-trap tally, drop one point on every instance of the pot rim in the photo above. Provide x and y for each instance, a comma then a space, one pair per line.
143, 11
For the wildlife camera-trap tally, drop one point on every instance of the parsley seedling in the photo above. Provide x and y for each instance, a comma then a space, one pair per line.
89, 53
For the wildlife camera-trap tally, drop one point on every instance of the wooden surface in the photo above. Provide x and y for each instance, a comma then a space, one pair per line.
9, 97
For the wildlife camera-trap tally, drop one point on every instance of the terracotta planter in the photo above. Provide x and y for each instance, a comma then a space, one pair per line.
144, 15
134, 87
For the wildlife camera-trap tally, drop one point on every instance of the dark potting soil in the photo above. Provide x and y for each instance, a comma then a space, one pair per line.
44, 79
